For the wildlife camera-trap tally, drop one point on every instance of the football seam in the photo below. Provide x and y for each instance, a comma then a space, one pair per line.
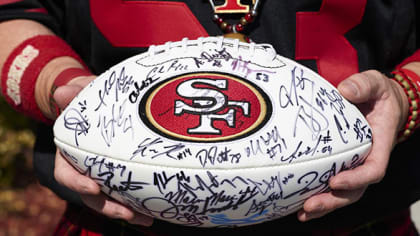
138, 62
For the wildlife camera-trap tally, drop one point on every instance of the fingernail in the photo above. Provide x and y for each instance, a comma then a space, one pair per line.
351, 87
302, 216
305, 216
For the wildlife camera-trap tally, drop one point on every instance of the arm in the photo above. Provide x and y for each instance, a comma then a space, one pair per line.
12, 34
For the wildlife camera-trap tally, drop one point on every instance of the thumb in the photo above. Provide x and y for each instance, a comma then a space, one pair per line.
362, 87
64, 95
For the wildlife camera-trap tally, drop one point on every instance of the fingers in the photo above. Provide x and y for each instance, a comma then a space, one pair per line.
372, 171
66, 175
65, 94
322, 204
90, 192
112, 209
375, 95
91, 195
373, 168
384, 104
362, 87
347, 187
384, 116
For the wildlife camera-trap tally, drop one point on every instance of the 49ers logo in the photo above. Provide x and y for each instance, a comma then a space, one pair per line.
205, 107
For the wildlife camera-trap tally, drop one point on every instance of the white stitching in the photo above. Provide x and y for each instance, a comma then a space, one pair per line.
16, 71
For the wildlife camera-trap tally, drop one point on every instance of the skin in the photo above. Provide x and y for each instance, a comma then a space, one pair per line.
371, 91
14, 32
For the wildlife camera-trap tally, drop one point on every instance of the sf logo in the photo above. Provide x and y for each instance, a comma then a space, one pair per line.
209, 103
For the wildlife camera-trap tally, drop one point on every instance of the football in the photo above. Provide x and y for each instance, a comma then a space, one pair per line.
212, 132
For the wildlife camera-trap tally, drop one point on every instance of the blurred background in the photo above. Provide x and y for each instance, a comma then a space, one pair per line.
26, 208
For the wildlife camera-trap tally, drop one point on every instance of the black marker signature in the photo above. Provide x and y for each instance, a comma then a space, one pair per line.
153, 148
120, 84
117, 122
75, 121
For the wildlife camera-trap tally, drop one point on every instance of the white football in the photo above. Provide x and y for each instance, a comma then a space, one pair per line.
212, 132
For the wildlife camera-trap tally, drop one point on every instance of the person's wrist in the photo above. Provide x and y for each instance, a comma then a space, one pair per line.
409, 83
403, 102
20, 74
413, 66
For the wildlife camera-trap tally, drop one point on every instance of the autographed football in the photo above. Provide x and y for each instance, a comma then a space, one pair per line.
212, 132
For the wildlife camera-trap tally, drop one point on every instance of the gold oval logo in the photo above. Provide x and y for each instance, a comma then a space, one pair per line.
205, 107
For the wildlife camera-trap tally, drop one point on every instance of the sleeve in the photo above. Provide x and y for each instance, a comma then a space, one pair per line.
46, 12
417, 5
415, 57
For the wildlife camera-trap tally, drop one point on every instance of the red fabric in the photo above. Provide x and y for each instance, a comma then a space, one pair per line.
400, 225
78, 221
413, 58
320, 36
38, 10
62, 79
125, 25
83, 222
49, 47
68, 74
4, 2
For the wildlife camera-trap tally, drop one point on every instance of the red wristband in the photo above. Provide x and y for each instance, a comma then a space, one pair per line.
22, 68
62, 79
410, 82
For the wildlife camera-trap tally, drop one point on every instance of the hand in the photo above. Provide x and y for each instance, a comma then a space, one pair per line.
89, 191
385, 106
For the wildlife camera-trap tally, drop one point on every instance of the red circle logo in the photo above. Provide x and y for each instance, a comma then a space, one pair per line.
205, 107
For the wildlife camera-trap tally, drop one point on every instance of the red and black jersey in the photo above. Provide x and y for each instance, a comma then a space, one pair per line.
334, 37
